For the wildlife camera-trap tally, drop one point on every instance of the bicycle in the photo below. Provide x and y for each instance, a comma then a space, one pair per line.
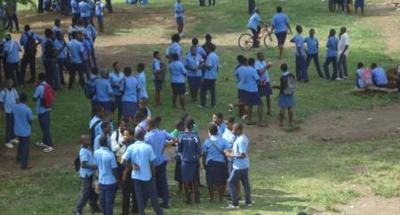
246, 42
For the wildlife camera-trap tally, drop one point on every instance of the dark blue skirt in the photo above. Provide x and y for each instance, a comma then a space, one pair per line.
107, 106
359, 3
178, 171
216, 173
285, 101
249, 98
190, 171
281, 37
129, 109
178, 88
194, 82
264, 90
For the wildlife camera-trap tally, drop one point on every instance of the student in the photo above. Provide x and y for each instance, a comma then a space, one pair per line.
75, 9
118, 140
141, 77
95, 123
264, 86
280, 25
87, 53
286, 94
158, 76
11, 56
99, 12
208, 43
57, 27
86, 173
343, 51
90, 87
228, 134
379, 77
190, 150
142, 157
76, 51
105, 132
199, 50
178, 74
331, 56
22, 128
209, 78
44, 114
179, 16
193, 62
49, 58
8, 98
144, 107
179, 129
359, 4
104, 92
301, 65
254, 24
174, 48
29, 40
107, 167
240, 171
312, 51
363, 76
61, 47
130, 89
213, 150
11, 11
141, 120
158, 139
84, 10
218, 120
116, 79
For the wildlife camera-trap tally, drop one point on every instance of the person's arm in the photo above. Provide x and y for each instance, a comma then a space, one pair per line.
114, 167
115, 146
85, 165
127, 169
288, 25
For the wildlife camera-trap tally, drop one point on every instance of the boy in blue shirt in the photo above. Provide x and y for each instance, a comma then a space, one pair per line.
301, 65
178, 74
116, 79
84, 10
280, 24
8, 98
44, 115
11, 56
218, 120
179, 16
104, 92
174, 48
105, 132
312, 51
99, 12
379, 78
76, 52
159, 76
22, 128
130, 95
29, 40
210, 76
61, 47
331, 56
254, 24
193, 63
141, 77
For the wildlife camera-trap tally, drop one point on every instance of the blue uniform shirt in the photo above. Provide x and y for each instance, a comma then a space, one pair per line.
84, 9
254, 21
141, 154
74, 6
141, 77
99, 11
214, 147
103, 90
247, 78
157, 139
280, 22
23, 41
312, 45
379, 76
9, 98
263, 73
192, 65
22, 120
177, 71
156, 67
105, 161
62, 50
76, 50
116, 81
174, 48
212, 62
332, 46
56, 29
12, 49
97, 129
189, 147
200, 51
38, 95
221, 128
178, 10
241, 146
96, 142
130, 90
299, 43
86, 154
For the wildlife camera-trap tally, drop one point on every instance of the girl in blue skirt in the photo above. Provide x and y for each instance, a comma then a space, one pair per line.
193, 63
286, 94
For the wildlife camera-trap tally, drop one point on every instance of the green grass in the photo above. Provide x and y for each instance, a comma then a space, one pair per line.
286, 177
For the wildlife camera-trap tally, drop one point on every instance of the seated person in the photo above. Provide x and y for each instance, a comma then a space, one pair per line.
363, 76
254, 24
379, 77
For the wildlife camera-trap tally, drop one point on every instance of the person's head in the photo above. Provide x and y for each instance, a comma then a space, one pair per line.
23, 98
360, 65
175, 38
374, 65
59, 35
156, 54
332, 32
208, 38
105, 127
85, 141
312, 32
174, 57
154, 122
79, 36
217, 118
343, 30
99, 111
42, 77
284, 67
74, 35
27, 28
279, 9
116, 67
103, 140
48, 33
142, 103
260, 56
57, 22
74, 20
8, 37
193, 50
140, 67
195, 41
241, 60
139, 116
257, 11
139, 133
229, 123
129, 134
9, 83
237, 129
213, 130
211, 48
180, 125
103, 73
251, 61
123, 124
299, 29
95, 71
189, 124
127, 71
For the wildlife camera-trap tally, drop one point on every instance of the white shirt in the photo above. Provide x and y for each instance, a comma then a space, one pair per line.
228, 136
343, 42
118, 146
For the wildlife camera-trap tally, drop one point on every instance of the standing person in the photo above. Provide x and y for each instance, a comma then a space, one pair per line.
193, 63
190, 150
29, 40
199, 50
264, 86
141, 77
74, 4
105, 132
251, 6
209, 78
218, 120
84, 10
343, 47
207, 44
280, 25
179, 16
44, 114
8, 98
11, 55
49, 58
109, 6
286, 94
158, 139
130, 89
86, 173
140, 156
76, 51
216, 167
174, 48
104, 92
211, 2
359, 4
23, 117
57, 27
301, 65
95, 123
61, 47
312, 52
12, 17
99, 12
179, 129
159, 76
116, 79
331, 56
107, 167
178, 74
241, 163
254, 24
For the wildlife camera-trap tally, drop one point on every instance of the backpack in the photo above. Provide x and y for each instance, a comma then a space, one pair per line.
90, 89
30, 45
48, 96
49, 50
366, 77
290, 85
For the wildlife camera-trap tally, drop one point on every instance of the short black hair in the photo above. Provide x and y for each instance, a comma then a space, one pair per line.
175, 57
104, 125
103, 141
131, 131
219, 115
42, 77
27, 27
189, 124
299, 29
95, 71
156, 53
213, 129
279, 9
251, 61
360, 65
284, 67
57, 21
374, 65
23, 97
127, 71
208, 37
176, 38
115, 64
48, 32
140, 67
195, 41
74, 35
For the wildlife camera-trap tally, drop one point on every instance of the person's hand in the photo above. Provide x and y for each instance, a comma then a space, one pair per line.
135, 167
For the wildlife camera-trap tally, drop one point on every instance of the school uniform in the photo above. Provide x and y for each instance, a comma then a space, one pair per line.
61, 48
29, 56
359, 4
100, 15
254, 25
140, 153
104, 93
130, 95
280, 22
76, 51
216, 166
247, 79
75, 8
179, 16
11, 53
331, 57
84, 10
264, 86
285, 101
87, 52
363, 77
116, 80
200, 51
229, 136
312, 54
379, 77
96, 143
221, 129
141, 77
8, 98
174, 48
22, 129
56, 29
88, 193
240, 170
342, 58
49, 59
301, 64
105, 161
158, 78
194, 74
189, 149
209, 78
44, 114
178, 73
157, 139
95, 128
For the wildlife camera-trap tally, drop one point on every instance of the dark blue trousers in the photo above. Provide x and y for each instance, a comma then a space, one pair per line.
23, 151
301, 69
144, 190
315, 58
162, 183
87, 194
207, 85
44, 121
107, 197
333, 61
9, 131
243, 176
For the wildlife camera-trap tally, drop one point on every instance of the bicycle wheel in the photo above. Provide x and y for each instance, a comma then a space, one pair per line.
245, 41
268, 41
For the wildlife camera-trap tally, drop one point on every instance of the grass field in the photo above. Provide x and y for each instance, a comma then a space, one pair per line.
286, 176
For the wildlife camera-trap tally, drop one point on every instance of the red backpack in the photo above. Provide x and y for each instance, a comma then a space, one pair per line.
48, 96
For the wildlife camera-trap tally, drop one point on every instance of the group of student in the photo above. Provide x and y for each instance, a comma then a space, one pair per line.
337, 5
373, 76
132, 157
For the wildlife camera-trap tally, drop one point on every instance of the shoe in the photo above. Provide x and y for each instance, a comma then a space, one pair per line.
345, 77
48, 149
26, 167
15, 141
41, 144
9, 145
232, 207
249, 205
339, 79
